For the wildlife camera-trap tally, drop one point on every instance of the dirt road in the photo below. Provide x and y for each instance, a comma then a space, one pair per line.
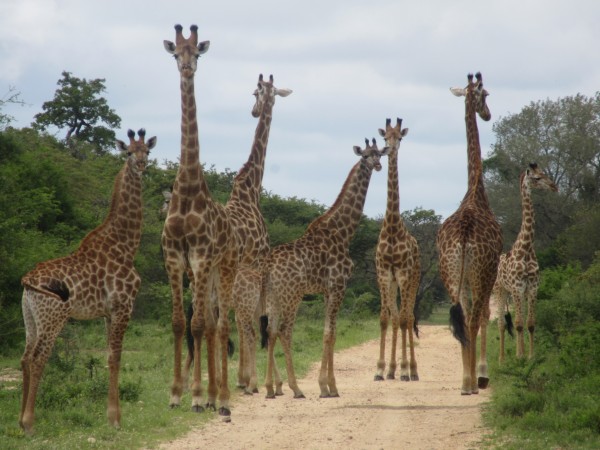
425, 414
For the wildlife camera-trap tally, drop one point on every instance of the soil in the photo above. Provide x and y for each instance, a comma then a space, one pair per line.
392, 414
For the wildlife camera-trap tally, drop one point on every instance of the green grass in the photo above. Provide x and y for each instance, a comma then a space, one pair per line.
71, 404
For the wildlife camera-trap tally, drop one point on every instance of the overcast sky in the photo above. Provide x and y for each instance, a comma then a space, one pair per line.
351, 64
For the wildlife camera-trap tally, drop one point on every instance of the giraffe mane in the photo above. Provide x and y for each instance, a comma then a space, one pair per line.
319, 220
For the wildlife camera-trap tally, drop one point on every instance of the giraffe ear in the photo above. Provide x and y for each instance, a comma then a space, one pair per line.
121, 146
459, 92
169, 47
283, 92
358, 150
150, 143
203, 47
381, 132
404, 132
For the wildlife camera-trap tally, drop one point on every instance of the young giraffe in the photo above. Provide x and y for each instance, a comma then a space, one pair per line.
469, 244
518, 270
398, 267
197, 239
97, 280
317, 262
251, 233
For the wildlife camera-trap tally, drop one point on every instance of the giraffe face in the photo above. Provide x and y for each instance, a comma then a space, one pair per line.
265, 94
186, 51
137, 151
536, 179
476, 95
393, 134
371, 155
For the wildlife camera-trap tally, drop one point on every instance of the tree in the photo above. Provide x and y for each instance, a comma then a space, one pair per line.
563, 137
424, 224
11, 97
78, 107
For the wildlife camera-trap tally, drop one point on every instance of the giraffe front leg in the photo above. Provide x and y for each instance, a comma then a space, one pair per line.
327, 376
383, 325
518, 299
178, 326
115, 328
391, 375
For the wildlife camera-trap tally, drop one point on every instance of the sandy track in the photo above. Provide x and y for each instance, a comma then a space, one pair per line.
426, 414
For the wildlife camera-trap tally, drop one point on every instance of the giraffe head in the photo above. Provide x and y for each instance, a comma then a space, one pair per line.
265, 94
137, 151
371, 154
393, 134
475, 95
186, 51
534, 178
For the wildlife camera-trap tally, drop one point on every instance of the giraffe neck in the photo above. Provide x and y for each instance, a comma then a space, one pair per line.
249, 178
190, 180
345, 214
393, 192
122, 228
476, 189
526, 233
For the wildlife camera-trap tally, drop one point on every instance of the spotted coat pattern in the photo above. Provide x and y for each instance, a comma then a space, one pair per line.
97, 280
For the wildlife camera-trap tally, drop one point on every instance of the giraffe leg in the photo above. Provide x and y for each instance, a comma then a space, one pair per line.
501, 306
174, 267
270, 365
391, 375
406, 318
116, 327
473, 331
327, 376
48, 328
383, 325
531, 297
414, 375
518, 299
227, 279
241, 376
482, 372
285, 337
30, 341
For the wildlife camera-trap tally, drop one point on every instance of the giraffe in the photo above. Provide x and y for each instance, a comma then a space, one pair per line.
97, 280
251, 233
317, 262
198, 240
518, 270
398, 268
469, 244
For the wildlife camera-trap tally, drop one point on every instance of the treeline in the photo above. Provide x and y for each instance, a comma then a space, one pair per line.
52, 194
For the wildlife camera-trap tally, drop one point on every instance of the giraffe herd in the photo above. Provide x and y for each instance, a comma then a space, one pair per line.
224, 251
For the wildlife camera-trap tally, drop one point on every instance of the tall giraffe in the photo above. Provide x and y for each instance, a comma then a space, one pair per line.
398, 268
251, 232
198, 239
518, 270
97, 280
317, 262
469, 244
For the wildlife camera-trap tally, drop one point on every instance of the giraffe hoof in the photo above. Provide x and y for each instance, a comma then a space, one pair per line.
483, 382
378, 378
270, 396
391, 376
404, 378
197, 408
255, 391
300, 395
223, 411
414, 377
210, 407
173, 405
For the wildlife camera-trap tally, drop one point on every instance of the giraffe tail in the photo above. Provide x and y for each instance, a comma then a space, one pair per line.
509, 324
457, 324
264, 335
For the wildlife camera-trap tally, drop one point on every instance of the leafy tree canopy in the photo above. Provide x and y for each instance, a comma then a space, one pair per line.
79, 108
